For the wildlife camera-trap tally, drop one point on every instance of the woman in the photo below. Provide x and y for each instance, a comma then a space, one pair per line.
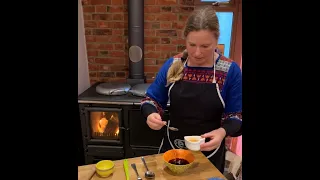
204, 89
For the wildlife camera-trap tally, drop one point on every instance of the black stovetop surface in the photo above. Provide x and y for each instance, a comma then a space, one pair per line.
91, 95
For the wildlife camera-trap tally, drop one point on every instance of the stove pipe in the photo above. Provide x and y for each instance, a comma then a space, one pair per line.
136, 42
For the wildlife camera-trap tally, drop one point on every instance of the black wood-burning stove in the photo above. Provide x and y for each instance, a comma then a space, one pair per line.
113, 127
111, 123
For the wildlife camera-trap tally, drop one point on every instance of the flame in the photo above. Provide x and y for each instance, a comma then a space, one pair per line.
103, 122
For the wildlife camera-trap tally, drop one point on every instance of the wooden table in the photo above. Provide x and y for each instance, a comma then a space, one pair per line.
202, 169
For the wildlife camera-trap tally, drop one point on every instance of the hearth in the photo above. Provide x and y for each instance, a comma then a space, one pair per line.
113, 127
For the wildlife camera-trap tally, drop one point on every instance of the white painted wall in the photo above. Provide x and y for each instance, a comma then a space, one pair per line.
83, 72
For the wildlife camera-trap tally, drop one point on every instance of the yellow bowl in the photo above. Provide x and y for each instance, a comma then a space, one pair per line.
105, 168
181, 154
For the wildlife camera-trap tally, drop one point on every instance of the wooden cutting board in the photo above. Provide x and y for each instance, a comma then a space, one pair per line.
86, 173
202, 170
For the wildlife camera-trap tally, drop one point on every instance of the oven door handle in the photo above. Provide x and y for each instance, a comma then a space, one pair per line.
127, 129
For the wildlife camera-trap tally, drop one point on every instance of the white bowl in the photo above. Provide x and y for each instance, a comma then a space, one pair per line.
193, 142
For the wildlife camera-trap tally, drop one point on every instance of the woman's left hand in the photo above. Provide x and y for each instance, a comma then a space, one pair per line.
216, 137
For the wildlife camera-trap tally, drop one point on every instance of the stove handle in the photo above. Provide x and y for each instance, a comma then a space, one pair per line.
123, 128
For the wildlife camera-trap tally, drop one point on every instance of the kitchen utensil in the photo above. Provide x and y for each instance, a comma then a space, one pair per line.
172, 128
126, 168
148, 174
135, 170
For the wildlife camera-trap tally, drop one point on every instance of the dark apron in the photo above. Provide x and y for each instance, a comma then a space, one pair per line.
195, 109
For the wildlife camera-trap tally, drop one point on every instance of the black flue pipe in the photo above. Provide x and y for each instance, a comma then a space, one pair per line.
136, 41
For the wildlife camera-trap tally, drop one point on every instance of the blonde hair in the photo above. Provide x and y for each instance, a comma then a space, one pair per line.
202, 18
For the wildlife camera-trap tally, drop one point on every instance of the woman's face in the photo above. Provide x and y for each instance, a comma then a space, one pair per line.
200, 46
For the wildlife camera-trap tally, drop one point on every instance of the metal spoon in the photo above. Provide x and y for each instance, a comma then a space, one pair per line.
172, 128
135, 169
148, 174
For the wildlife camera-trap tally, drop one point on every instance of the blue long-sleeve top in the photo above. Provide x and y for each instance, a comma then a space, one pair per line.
229, 79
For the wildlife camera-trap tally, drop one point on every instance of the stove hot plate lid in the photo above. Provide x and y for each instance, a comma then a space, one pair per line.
140, 89
113, 89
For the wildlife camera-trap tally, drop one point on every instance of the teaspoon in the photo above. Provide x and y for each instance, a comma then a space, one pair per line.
148, 174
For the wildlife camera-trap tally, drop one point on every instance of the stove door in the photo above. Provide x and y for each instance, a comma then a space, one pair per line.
102, 125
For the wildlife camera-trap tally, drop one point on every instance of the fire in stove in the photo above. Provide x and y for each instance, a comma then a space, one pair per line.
105, 125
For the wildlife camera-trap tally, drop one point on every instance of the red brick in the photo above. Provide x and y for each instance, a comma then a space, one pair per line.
106, 47
90, 38
86, 16
166, 17
149, 47
93, 67
117, 2
180, 34
166, 9
149, 2
149, 17
98, 2
119, 25
183, 17
106, 33
166, 47
187, 2
165, 25
93, 81
102, 39
90, 59
178, 25
88, 9
166, 33
119, 46
165, 40
182, 9
151, 9
150, 80
109, 60
116, 54
151, 68
92, 53
117, 9
115, 39
118, 17
149, 61
152, 54
166, 2
178, 41
117, 32
101, 32
92, 74
164, 56
112, 67
88, 32
85, 2
151, 40
150, 75
104, 17
101, 8
90, 24
149, 32
161, 61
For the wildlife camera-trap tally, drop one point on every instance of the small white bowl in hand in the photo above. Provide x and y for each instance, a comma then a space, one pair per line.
193, 142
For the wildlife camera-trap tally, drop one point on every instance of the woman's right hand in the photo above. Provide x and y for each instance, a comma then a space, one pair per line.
155, 122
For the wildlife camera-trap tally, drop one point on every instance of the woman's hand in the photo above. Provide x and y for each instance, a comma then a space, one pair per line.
216, 137
155, 122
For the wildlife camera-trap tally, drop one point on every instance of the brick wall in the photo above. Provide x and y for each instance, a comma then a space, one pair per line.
106, 31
